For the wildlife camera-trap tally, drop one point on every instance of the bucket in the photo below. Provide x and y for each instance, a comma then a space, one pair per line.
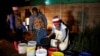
22, 48
53, 43
31, 48
32, 43
41, 52
51, 50
71, 53
84, 54
57, 54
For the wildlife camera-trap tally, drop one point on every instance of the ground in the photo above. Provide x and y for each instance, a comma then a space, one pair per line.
7, 49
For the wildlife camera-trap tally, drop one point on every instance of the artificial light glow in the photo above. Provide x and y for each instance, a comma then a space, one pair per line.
27, 21
47, 2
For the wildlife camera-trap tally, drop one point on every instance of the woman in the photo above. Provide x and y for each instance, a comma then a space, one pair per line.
38, 29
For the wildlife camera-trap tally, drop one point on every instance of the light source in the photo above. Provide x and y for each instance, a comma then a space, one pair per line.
47, 2
27, 23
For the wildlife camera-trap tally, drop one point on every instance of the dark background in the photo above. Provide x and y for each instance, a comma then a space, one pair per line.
5, 8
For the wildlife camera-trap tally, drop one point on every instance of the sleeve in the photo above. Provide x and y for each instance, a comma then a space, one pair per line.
11, 22
44, 19
30, 23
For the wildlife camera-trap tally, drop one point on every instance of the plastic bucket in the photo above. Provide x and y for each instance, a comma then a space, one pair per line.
51, 50
22, 48
57, 54
32, 43
31, 50
71, 53
53, 43
84, 54
41, 52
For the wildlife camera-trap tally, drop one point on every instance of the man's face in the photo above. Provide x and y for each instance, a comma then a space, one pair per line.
16, 12
57, 25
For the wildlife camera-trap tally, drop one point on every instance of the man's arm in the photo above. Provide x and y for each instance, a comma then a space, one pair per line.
11, 22
51, 33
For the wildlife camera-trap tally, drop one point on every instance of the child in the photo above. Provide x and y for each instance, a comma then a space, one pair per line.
38, 29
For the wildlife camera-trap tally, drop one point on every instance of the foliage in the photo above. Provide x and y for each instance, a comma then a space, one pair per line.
88, 40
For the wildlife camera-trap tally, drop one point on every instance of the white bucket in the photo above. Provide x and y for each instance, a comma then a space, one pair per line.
31, 50
41, 52
32, 43
53, 43
22, 48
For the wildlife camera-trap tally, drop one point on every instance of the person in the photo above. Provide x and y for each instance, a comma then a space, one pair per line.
38, 29
61, 32
16, 25
36, 13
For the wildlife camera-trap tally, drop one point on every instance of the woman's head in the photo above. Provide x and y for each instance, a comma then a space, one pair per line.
38, 23
35, 11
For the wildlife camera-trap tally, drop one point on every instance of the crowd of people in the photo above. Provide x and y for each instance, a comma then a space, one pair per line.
37, 29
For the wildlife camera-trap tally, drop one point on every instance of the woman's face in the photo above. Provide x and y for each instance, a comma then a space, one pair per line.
34, 13
57, 25
38, 23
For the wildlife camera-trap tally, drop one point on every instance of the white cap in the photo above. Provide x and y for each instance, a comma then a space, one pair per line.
15, 8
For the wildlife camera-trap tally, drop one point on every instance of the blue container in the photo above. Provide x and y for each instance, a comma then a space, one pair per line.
84, 54
69, 53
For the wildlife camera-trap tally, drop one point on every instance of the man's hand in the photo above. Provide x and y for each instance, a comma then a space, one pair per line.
58, 42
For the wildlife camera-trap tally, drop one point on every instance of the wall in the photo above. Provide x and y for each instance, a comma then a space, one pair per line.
87, 14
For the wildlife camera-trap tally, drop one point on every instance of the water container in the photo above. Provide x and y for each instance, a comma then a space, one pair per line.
22, 48
57, 54
32, 43
31, 48
53, 43
84, 54
41, 52
51, 50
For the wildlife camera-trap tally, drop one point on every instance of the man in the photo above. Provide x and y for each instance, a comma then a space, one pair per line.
16, 25
61, 33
